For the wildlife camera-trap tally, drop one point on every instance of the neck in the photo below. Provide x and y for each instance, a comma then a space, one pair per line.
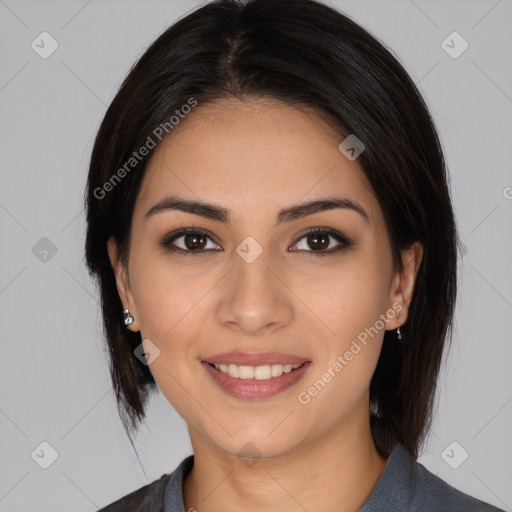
339, 471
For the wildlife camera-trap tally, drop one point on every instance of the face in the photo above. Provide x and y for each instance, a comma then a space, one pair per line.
262, 288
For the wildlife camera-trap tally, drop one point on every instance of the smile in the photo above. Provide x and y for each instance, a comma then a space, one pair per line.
255, 382
255, 372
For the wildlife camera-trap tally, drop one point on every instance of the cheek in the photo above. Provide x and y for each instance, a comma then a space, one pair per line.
351, 307
168, 301
169, 307
340, 381
355, 296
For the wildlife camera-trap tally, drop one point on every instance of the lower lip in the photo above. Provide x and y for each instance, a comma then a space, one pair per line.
252, 388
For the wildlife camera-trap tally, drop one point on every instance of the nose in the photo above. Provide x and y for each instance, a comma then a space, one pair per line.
254, 297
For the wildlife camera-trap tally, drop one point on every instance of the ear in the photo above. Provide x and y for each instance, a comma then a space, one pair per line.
402, 286
122, 282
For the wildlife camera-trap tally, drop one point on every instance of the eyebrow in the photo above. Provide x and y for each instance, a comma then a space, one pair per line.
217, 213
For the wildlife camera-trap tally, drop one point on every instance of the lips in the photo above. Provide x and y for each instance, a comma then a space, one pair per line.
255, 358
255, 375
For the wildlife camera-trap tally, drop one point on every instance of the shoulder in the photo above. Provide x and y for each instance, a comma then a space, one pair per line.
438, 495
147, 498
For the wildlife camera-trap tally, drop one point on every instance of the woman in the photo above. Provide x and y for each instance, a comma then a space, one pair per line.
271, 228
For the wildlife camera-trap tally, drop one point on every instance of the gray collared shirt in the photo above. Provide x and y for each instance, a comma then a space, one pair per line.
404, 486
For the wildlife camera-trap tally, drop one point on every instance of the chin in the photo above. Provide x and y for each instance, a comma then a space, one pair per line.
257, 447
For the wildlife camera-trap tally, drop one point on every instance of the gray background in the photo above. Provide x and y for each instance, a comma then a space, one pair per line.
54, 377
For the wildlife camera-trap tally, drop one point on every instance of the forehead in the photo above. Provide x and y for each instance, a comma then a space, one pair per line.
253, 157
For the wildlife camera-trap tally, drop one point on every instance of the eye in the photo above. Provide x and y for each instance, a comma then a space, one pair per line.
320, 239
193, 241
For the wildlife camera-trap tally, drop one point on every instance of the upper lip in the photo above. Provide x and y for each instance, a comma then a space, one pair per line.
255, 358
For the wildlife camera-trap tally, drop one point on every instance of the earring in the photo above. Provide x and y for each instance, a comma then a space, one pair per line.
127, 318
398, 333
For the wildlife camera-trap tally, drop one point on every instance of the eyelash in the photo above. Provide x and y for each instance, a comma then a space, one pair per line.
166, 242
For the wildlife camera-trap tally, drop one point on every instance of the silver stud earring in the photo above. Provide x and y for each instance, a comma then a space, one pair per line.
398, 333
127, 318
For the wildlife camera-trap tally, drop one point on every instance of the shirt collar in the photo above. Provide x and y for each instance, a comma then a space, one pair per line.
395, 489
173, 498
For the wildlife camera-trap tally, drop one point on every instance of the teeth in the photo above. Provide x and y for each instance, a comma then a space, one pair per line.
242, 372
256, 372
233, 371
263, 372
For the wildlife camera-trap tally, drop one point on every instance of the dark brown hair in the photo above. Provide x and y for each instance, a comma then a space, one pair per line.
305, 54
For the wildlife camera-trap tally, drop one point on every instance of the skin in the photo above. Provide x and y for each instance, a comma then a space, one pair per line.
254, 158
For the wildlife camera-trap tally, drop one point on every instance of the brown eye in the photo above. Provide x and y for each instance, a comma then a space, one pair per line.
190, 240
196, 241
321, 242
318, 241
